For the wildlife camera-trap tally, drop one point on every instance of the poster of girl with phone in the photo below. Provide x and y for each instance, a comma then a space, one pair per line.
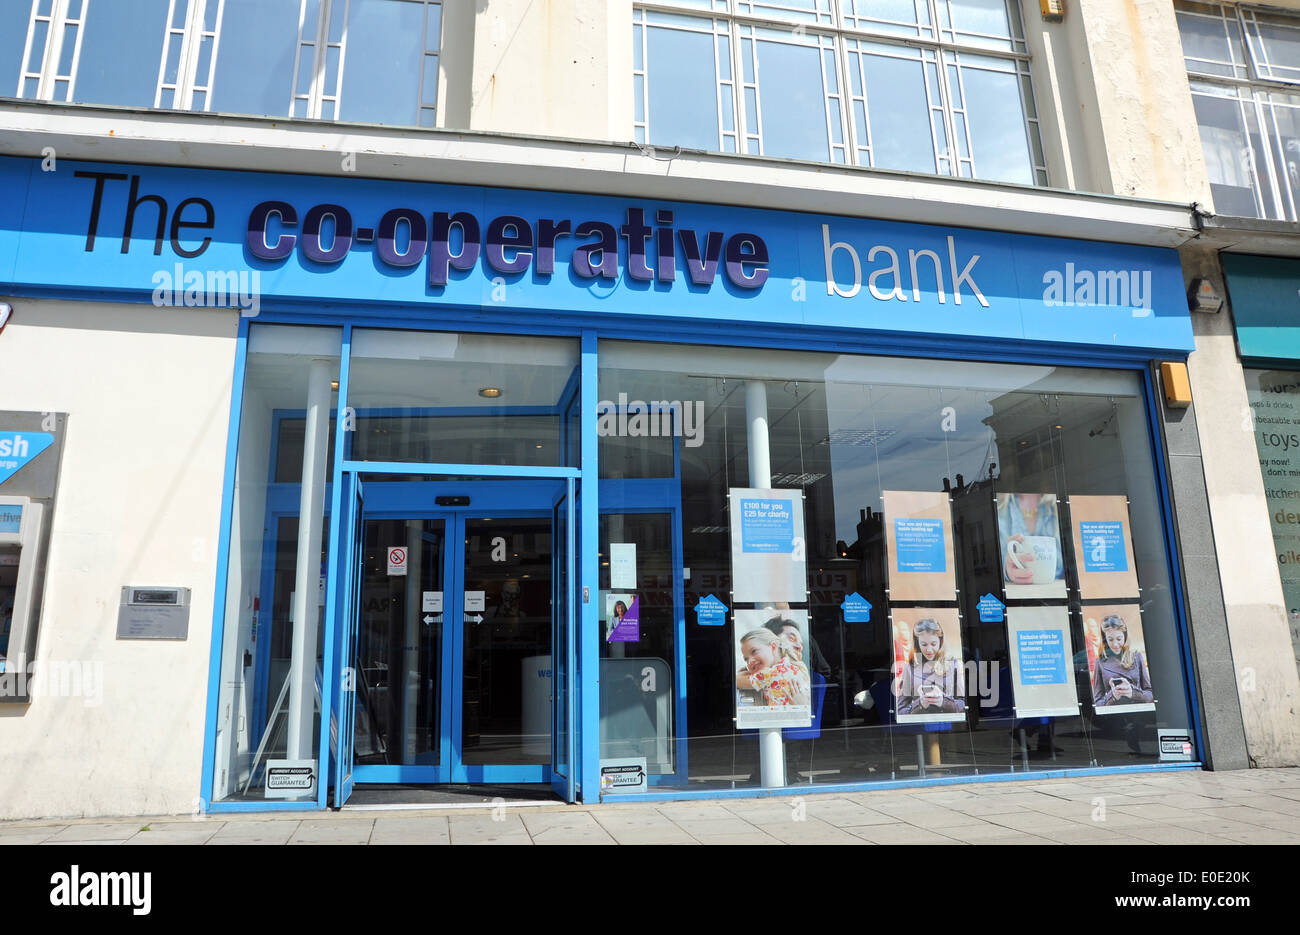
931, 679
1121, 680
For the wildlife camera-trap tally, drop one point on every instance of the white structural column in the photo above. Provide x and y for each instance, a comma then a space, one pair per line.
306, 598
771, 748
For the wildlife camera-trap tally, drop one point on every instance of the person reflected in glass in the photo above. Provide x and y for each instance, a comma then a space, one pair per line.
931, 683
1121, 677
772, 670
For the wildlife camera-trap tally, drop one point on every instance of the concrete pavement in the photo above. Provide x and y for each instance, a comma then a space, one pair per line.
1183, 807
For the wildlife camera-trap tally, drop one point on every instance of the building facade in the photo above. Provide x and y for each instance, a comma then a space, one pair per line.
688, 398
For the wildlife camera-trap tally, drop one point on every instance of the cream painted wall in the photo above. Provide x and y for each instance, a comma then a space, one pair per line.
147, 392
1137, 105
549, 68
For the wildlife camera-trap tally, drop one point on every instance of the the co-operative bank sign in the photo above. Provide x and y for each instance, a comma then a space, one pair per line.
102, 229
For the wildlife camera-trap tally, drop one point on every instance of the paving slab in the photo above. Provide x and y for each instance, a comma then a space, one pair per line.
422, 829
98, 831
248, 832
488, 829
565, 828
902, 834
327, 831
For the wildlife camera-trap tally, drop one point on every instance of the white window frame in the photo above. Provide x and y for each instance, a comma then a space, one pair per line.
830, 25
1251, 89
323, 98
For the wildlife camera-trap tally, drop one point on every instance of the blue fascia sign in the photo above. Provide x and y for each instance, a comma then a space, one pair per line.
172, 234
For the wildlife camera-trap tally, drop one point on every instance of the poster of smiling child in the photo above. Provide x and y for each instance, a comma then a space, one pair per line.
773, 685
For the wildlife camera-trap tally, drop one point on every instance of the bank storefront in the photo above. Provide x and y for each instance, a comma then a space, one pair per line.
641, 498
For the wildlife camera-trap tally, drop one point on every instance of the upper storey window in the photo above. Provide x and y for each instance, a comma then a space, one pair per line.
935, 86
1244, 67
369, 61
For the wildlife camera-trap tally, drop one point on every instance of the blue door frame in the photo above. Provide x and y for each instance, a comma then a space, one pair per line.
416, 499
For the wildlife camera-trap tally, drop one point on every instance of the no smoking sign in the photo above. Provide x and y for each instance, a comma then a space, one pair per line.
397, 560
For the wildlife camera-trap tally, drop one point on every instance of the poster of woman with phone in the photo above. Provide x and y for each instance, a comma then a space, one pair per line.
1033, 563
931, 684
1121, 682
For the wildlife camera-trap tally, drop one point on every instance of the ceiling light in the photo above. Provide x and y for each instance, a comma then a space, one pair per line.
490, 392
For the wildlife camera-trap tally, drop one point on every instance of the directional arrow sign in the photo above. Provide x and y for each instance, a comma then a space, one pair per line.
710, 612
430, 618
475, 618
857, 609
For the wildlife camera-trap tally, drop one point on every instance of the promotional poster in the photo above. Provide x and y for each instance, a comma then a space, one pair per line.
1029, 531
1103, 547
622, 618
1117, 659
929, 672
1042, 656
767, 546
918, 538
773, 684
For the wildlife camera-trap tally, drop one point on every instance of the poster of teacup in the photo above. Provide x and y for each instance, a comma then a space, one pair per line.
768, 552
773, 684
1029, 531
1042, 662
622, 618
929, 671
1103, 547
1117, 659
918, 540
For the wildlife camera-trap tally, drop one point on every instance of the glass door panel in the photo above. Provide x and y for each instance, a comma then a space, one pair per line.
399, 663
562, 648
506, 684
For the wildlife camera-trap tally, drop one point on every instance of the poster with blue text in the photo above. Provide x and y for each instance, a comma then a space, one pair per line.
1103, 547
918, 538
768, 561
1042, 662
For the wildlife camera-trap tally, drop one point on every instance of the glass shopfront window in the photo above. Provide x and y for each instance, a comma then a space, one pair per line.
864, 521
447, 398
269, 704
